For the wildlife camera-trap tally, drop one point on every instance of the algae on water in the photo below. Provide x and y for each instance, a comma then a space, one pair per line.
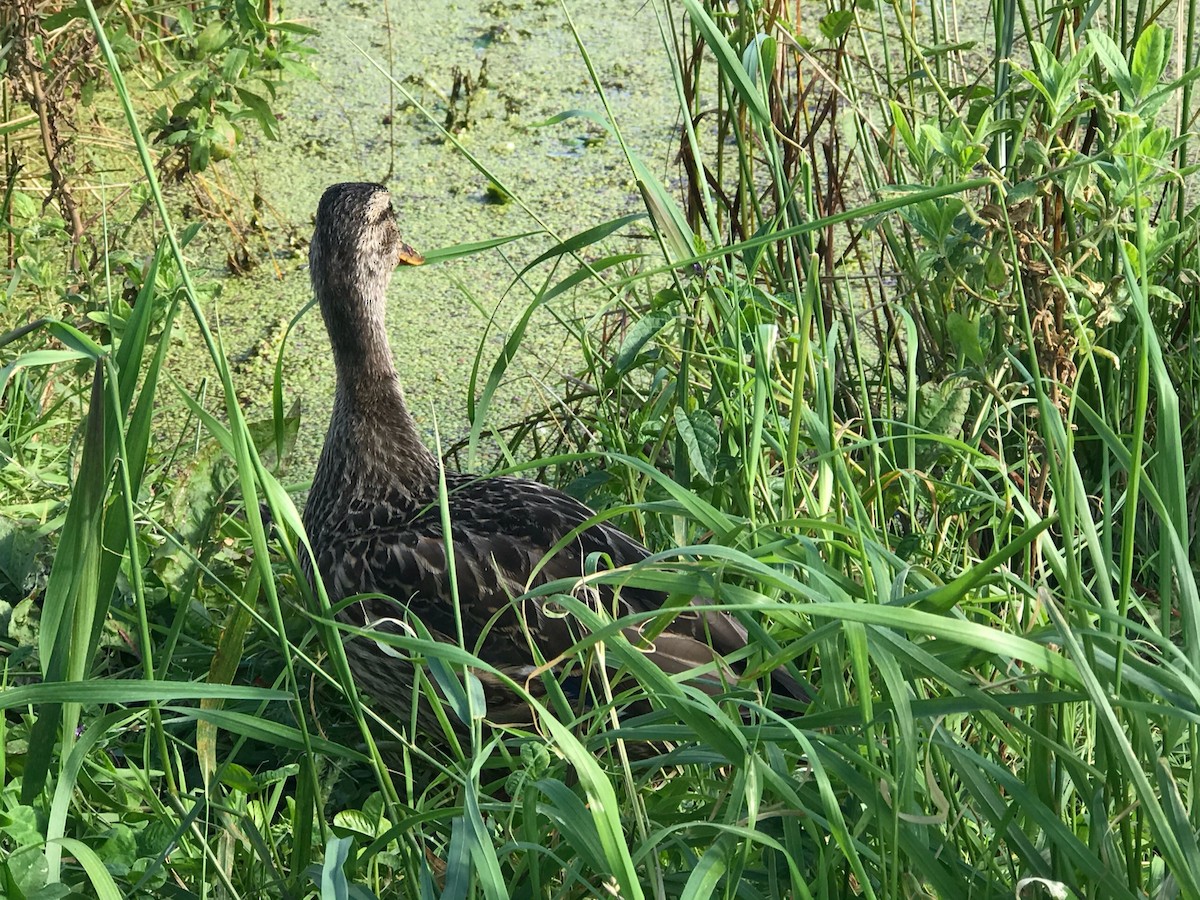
349, 124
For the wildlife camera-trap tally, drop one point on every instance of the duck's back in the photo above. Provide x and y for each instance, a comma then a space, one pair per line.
503, 531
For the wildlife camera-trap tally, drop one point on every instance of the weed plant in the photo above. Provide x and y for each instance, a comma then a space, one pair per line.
905, 383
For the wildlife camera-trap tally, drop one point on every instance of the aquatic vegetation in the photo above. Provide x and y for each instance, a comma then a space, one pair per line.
900, 373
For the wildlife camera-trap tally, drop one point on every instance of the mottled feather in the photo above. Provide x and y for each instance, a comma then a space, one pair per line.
376, 526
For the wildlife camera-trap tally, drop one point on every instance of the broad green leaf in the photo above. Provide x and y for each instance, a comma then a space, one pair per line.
834, 25
28, 869
1113, 60
702, 439
1149, 59
20, 824
261, 110
964, 332
943, 407
642, 332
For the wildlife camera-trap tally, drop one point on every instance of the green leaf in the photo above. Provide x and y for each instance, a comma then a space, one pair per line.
190, 516
943, 407
943, 598
20, 823
835, 24
667, 218
69, 609
458, 862
39, 358
223, 667
759, 58
483, 853
235, 777
212, 38
361, 822
1114, 62
269, 732
1155, 144
119, 850
20, 548
450, 683
727, 61
565, 808
231, 69
601, 816
1149, 59
1175, 812
643, 330
995, 272
964, 333
941, 411
702, 439
124, 691
456, 251
261, 111
333, 877
28, 869
712, 867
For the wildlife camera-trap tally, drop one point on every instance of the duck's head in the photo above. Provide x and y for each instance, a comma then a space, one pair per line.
356, 244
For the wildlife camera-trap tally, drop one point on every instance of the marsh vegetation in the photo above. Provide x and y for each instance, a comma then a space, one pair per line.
895, 362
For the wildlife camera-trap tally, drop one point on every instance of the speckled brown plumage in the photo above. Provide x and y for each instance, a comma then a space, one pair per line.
372, 515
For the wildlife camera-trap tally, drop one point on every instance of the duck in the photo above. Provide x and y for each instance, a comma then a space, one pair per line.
375, 526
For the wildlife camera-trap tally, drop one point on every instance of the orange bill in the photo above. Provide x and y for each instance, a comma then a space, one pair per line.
407, 256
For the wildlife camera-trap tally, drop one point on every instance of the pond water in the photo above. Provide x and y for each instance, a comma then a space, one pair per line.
349, 125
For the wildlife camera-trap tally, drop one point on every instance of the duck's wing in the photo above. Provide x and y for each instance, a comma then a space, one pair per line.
503, 529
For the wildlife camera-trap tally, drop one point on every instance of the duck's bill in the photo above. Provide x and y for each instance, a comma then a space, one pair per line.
407, 256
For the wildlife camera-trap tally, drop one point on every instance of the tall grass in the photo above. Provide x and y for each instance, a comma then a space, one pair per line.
904, 384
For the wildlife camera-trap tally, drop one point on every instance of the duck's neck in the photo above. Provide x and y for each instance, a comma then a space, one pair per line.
373, 443
357, 333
